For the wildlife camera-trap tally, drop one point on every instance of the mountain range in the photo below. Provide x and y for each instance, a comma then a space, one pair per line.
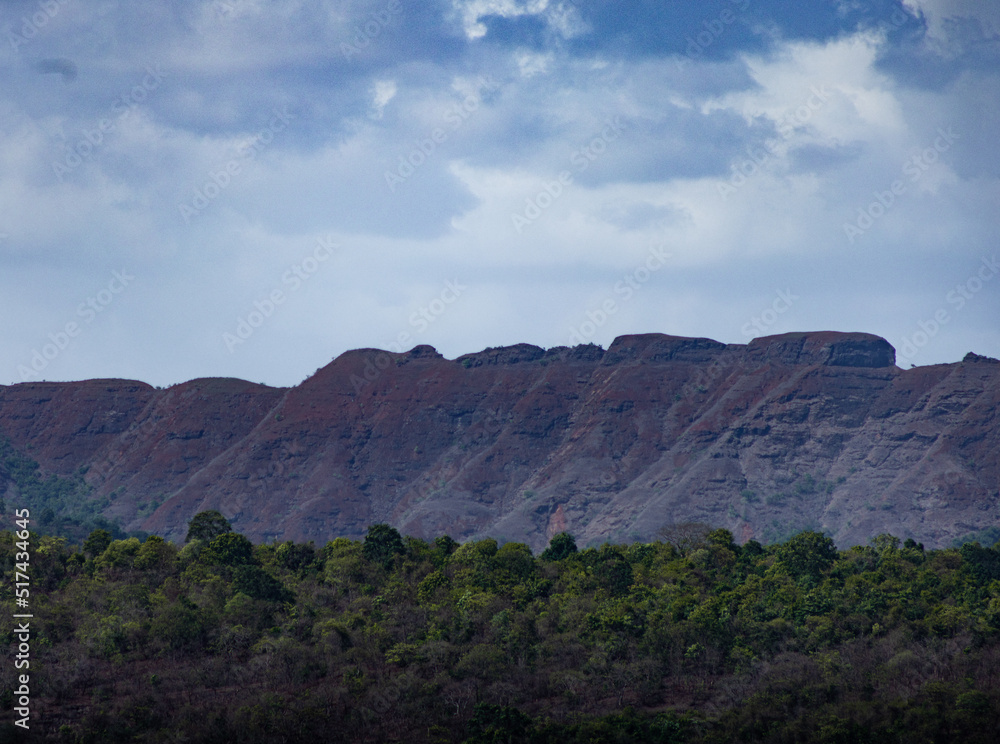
817, 430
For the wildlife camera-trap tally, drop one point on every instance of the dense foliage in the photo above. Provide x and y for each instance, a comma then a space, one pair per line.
393, 639
62, 506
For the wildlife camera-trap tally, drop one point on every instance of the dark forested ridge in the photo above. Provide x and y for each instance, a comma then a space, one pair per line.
693, 638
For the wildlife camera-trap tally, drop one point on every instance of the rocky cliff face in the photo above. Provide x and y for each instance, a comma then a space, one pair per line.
817, 430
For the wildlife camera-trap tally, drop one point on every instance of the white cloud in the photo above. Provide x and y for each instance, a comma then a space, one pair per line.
470, 11
383, 92
513, 120
562, 17
821, 93
531, 64
566, 20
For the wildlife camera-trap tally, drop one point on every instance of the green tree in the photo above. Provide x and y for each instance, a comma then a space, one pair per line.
178, 624
722, 538
207, 525
343, 564
155, 553
475, 563
614, 573
255, 582
560, 546
381, 543
807, 553
983, 563
751, 550
444, 546
885, 543
96, 543
119, 554
513, 563
295, 557
229, 549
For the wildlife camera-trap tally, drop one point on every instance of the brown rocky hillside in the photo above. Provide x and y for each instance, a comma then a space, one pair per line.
817, 430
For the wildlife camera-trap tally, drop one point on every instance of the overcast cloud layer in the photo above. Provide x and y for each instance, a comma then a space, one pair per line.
249, 188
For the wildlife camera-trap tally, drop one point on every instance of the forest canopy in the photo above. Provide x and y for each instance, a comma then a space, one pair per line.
397, 638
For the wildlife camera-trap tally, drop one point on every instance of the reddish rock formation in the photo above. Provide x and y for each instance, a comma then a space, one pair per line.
817, 430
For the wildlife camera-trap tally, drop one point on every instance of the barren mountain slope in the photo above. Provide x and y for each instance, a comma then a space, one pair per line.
817, 430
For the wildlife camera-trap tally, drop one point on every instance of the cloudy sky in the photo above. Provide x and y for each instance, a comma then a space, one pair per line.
249, 188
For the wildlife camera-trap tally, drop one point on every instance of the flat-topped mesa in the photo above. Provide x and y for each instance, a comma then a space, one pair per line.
659, 347
829, 348
502, 355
